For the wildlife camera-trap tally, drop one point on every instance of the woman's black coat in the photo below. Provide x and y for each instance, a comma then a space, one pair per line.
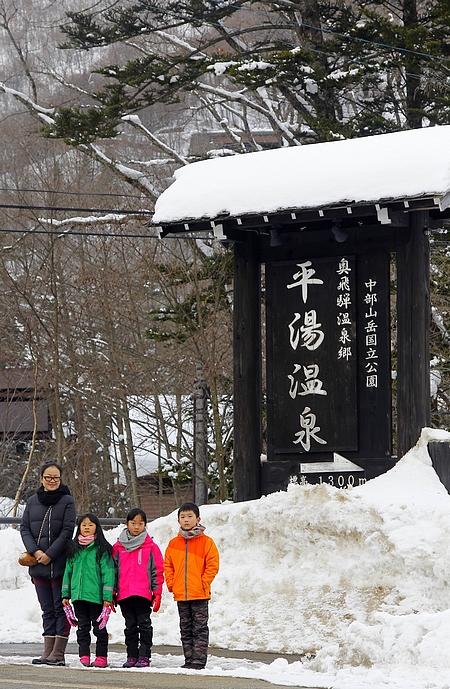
56, 534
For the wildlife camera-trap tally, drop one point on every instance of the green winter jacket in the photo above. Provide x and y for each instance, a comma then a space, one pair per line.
86, 579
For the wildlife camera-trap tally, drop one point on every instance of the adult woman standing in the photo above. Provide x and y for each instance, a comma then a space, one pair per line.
47, 528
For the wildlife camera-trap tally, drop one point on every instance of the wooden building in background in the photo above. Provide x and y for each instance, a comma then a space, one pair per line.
17, 392
159, 500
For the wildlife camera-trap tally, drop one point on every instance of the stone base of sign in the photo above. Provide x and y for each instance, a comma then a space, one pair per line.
276, 476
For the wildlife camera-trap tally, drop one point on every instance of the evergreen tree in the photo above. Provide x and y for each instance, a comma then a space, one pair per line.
321, 70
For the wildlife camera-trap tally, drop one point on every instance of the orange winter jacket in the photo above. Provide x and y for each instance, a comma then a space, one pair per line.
190, 565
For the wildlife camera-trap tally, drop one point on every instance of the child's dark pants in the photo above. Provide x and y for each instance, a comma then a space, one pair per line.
138, 626
87, 614
194, 630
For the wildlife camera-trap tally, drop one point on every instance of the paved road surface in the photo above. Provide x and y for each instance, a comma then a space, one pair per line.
43, 677
35, 677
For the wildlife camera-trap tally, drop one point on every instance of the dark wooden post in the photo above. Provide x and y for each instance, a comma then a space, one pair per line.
413, 322
200, 472
247, 371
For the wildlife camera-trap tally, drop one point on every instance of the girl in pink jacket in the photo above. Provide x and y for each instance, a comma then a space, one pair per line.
139, 580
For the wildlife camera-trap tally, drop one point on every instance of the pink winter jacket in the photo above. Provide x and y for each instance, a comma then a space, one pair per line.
139, 572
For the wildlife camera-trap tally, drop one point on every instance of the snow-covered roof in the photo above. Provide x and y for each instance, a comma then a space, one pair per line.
377, 169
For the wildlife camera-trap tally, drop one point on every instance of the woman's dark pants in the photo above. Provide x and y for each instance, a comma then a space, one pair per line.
48, 592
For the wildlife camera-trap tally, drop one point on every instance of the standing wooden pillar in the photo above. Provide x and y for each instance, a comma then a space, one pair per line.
200, 472
413, 322
247, 371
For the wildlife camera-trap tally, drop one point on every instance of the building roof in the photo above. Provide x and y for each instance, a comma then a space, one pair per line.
13, 380
409, 167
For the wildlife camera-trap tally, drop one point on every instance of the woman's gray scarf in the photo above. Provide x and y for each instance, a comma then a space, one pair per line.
192, 533
130, 542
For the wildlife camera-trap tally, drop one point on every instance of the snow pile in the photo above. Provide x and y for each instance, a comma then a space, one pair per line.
401, 165
356, 580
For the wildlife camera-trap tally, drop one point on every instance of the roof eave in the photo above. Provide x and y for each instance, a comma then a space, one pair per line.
385, 212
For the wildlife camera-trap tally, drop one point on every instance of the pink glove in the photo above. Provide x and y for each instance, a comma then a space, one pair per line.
70, 615
104, 617
156, 603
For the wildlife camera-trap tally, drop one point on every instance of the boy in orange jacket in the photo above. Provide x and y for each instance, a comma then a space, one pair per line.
191, 562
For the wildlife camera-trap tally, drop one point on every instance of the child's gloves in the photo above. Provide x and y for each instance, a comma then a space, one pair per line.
104, 617
70, 615
156, 602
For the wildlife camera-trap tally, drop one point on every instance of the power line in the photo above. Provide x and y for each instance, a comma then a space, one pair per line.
288, 25
70, 193
380, 45
391, 70
69, 208
88, 233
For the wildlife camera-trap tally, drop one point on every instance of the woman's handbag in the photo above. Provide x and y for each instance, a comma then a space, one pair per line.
26, 559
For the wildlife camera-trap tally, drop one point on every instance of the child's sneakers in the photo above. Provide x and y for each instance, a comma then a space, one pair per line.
100, 661
143, 661
85, 660
130, 662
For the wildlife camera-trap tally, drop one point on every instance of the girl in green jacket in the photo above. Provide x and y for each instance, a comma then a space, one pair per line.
89, 582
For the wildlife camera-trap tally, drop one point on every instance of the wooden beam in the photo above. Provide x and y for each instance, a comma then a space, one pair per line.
247, 371
413, 323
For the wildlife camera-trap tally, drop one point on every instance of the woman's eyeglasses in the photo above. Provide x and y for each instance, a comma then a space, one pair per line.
52, 479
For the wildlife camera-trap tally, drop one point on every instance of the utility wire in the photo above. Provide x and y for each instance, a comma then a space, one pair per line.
392, 70
288, 25
70, 193
380, 45
88, 233
69, 208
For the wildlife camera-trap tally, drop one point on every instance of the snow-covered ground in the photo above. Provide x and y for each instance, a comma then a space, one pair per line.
356, 580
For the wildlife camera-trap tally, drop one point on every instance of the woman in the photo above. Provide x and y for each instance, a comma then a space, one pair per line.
47, 528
